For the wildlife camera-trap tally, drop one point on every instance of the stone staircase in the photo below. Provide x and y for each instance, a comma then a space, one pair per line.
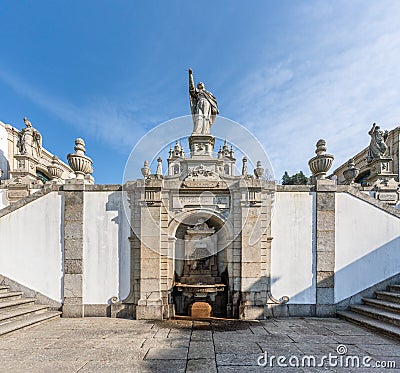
381, 314
17, 312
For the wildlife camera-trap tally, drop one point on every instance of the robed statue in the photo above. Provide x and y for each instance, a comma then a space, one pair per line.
203, 105
377, 146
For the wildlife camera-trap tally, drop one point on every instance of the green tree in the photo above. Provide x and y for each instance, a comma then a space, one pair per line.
296, 179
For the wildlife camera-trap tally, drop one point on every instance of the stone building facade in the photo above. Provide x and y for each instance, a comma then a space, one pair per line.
199, 240
25, 166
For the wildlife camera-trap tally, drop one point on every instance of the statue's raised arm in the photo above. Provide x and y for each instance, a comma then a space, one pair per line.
203, 106
191, 82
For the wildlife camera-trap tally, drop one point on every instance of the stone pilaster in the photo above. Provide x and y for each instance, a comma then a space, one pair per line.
325, 247
255, 281
150, 304
73, 248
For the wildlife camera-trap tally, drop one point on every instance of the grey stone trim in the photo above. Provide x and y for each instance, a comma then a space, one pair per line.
301, 310
371, 200
41, 299
24, 201
97, 310
368, 293
104, 188
73, 248
295, 188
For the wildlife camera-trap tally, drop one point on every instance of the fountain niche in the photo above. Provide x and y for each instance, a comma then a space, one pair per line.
201, 281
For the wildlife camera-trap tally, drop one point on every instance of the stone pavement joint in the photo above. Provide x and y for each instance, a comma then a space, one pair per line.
220, 346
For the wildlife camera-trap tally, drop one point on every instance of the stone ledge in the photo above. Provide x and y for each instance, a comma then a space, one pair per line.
371, 200
33, 197
41, 298
104, 188
295, 188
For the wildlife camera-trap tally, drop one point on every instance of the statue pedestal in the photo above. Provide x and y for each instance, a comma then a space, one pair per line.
382, 180
380, 168
26, 167
201, 145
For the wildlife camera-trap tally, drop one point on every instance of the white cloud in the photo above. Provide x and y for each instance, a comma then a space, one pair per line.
101, 117
336, 88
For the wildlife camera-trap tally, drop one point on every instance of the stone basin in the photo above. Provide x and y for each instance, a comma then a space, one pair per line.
200, 290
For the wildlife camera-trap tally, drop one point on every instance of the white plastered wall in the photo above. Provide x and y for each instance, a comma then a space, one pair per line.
293, 247
3, 198
31, 245
3, 151
106, 248
367, 246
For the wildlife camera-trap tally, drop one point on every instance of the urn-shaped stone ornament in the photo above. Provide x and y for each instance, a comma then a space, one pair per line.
244, 167
54, 169
259, 170
159, 167
146, 170
78, 161
351, 173
322, 162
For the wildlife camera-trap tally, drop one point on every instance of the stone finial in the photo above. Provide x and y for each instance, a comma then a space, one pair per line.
259, 170
244, 167
146, 169
322, 162
351, 173
159, 167
78, 161
54, 169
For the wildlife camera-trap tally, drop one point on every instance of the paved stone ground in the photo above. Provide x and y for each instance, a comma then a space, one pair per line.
118, 345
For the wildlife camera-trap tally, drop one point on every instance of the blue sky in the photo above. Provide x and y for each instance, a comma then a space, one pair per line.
290, 71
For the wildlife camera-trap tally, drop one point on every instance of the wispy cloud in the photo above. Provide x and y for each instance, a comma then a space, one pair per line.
117, 124
347, 79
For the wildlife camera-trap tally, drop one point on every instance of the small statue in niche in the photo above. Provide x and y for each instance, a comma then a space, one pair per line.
201, 225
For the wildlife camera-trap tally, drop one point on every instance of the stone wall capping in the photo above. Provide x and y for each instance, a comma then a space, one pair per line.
326, 185
104, 188
295, 188
24, 201
371, 200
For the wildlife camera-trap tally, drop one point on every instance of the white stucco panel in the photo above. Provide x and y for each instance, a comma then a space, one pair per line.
292, 247
32, 243
367, 246
106, 248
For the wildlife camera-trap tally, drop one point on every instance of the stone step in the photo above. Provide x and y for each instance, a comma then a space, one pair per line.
21, 311
4, 289
10, 295
28, 321
16, 302
376, 325
388, 296
395, 288
377, 313
383, 304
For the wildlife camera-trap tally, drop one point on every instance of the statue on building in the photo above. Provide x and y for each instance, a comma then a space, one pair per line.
203, 105
30, 140
377, 146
